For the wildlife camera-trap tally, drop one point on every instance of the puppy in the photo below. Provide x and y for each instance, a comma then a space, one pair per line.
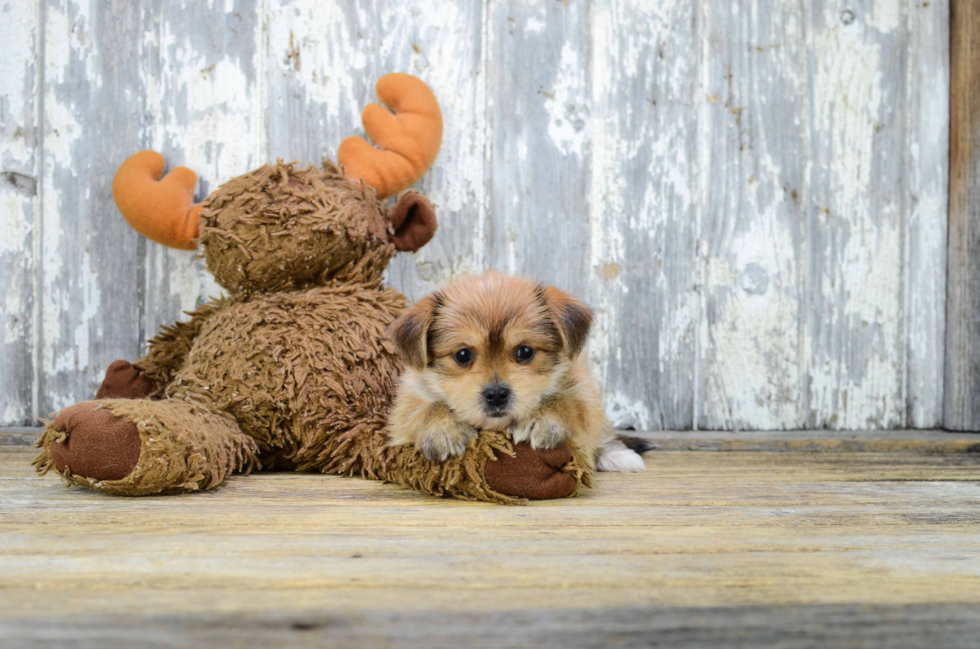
500, 353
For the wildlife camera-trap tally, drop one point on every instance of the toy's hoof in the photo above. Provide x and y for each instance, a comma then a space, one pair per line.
123, 381
532, 474
98, 444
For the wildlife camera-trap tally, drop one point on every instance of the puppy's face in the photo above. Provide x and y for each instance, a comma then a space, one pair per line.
492, 347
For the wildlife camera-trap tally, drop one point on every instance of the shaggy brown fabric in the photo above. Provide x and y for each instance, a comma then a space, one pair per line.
169, 349
280, 227
315, 374
294, 369
123, 380
183, 447
461, 477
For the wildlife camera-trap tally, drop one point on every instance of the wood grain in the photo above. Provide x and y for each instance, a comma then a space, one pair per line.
539, 77
804, 626
962, 405
930, 442
751, 195
316, 94
927, 209
203, 72
855, 338
755, 191
91, 261
643, 197
19, 200
766, 540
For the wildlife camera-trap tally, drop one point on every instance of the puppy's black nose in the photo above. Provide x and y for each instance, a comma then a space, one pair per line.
496, 396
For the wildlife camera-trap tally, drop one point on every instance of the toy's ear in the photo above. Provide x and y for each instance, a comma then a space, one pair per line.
414, 221
572, 318
410, 330
407, 138
161, 209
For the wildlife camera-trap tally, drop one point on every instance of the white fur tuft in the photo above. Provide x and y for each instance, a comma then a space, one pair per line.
620, 459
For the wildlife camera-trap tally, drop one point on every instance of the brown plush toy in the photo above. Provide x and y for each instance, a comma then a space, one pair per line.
292, 370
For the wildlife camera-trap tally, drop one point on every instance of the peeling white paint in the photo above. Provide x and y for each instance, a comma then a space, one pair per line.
205, 117
566, 104
62, 133
16, 320
624, 412
927, 128
641, 196
612, 140
886, 15
86, 329
17, 228
856, 376
324, 60
216, 136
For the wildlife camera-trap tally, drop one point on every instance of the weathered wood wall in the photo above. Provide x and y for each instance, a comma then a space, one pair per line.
963, 307
752, 194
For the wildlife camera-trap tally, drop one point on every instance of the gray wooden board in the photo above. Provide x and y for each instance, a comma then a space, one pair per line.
539, 115
751, 227
702, 549
962, 398
19, 36
642, 267
316, 93
926, 206
90, 292
855, 216
783, 627
203, 65
751, 195
19, 435
812, 441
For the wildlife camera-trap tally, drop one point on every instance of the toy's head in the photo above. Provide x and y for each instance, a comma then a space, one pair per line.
281, 227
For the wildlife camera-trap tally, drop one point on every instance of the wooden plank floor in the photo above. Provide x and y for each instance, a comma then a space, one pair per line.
791, 549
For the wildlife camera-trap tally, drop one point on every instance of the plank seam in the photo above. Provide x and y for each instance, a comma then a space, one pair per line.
905, 204
145, 138
810, 418
488, 180
699, 211
38, 220
262, 85
802, 328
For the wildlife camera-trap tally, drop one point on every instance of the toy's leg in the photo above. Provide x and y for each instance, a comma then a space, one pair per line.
138, 447
125, 381
493, 470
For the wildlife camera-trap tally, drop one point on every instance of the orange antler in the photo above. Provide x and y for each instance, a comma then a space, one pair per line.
407, 140
160, 209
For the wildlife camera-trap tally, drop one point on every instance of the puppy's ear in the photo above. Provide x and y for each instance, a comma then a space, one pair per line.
410, 331
572, 318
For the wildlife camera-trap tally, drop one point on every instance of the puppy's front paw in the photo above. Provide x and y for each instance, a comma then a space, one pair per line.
446, 440
543, 432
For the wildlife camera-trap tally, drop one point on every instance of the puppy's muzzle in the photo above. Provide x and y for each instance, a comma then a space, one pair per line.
496, 399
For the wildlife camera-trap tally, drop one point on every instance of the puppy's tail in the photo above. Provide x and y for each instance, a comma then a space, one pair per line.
621, 453
636, 444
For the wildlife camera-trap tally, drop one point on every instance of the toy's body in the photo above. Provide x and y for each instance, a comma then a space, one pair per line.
300, 372
306, 377
293, 369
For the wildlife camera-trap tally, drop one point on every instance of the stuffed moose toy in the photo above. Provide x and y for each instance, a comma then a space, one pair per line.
292, 370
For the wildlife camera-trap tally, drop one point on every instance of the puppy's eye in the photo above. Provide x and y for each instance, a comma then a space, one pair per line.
523, 354
463, 356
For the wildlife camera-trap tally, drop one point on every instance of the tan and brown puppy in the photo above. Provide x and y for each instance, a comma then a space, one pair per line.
500, 353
